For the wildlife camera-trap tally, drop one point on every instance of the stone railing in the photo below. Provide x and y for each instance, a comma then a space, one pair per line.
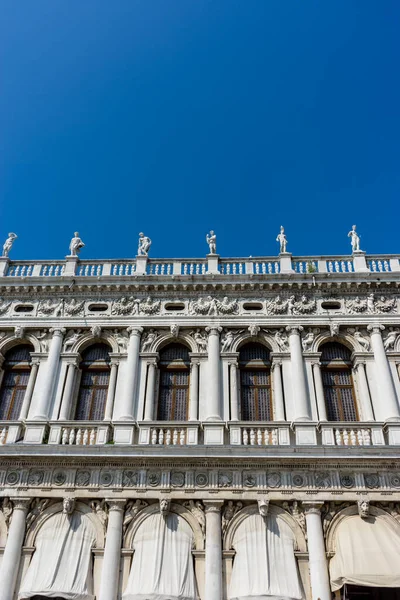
259, 434
168, 434
10, 432
352, 434
79, 433
231, 267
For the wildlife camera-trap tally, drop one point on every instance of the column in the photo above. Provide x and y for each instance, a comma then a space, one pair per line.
213, 574
278, 391
65, 410
387, 391
29, 389
108, 413
234, 391
132, 367
319, 392
112, 551
44, 402
12, 551
213, 410
150, 390
320, 586
365, 398
299, 383
194, 390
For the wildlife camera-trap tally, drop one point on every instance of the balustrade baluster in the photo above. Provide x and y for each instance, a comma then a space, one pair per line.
245, 437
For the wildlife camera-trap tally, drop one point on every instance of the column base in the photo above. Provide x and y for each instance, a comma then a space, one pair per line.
34, 433
213, 434
124, 433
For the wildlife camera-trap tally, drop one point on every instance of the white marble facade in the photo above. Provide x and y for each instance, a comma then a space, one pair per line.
205, 429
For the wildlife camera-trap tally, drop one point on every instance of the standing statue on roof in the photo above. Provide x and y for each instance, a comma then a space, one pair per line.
211, 239
144, 245
76, 245
355, 239
282, 240
8, 243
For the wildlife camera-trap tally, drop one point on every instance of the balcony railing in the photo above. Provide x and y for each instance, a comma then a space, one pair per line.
231, 267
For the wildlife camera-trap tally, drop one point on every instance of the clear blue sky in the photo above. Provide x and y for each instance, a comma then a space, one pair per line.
176, 116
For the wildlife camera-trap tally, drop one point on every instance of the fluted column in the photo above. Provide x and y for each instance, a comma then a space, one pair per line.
386, 389
234, 391
213, 406
111, 390
29, 389
279, 402
299, 383
213, 562
112, 551
319, 391
194, 390
320, 586
41, 412
365, 397
12, 551
65, 410
150, 390
126, 407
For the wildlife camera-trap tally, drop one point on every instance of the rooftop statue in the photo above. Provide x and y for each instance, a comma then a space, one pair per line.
8, 243
144, 245
76, 245
282, 241
355, 239
211, 239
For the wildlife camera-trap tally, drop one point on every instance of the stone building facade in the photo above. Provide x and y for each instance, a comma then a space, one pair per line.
217, 428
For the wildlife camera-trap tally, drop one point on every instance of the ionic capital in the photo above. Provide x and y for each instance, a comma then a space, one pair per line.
375, 328
21, 503
116, 505
294, 329
213, 506
213, 330
135, 331
58, 331
312, 508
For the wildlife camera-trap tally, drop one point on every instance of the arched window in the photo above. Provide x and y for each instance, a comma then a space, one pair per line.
255, 383
173, 397
16, 369
93, 388
338, 382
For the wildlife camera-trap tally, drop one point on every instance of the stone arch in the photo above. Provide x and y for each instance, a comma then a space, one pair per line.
34, 529
10, 341
350, 511
166, 338
346, 339
277, 511
267, 341
87, 339
174, 508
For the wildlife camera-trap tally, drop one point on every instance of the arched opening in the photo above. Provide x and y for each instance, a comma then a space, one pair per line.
16, 372
93, 387
337, 379
255, 383
61, 566
173, 395
162, 564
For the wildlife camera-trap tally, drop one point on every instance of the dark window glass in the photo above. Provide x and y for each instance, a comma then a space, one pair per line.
255, 383
173, 396
338, 382
16, 372
94, 382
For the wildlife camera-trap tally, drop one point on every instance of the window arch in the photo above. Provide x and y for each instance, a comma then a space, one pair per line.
173, 395
93, 387
255, 383
16, 372
337, 379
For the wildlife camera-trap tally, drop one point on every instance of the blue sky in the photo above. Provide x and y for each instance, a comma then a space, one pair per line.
174, 117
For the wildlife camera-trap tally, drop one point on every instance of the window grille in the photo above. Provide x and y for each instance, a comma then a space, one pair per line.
173, 396
93, 388
338, 383
255, 383
15, 380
